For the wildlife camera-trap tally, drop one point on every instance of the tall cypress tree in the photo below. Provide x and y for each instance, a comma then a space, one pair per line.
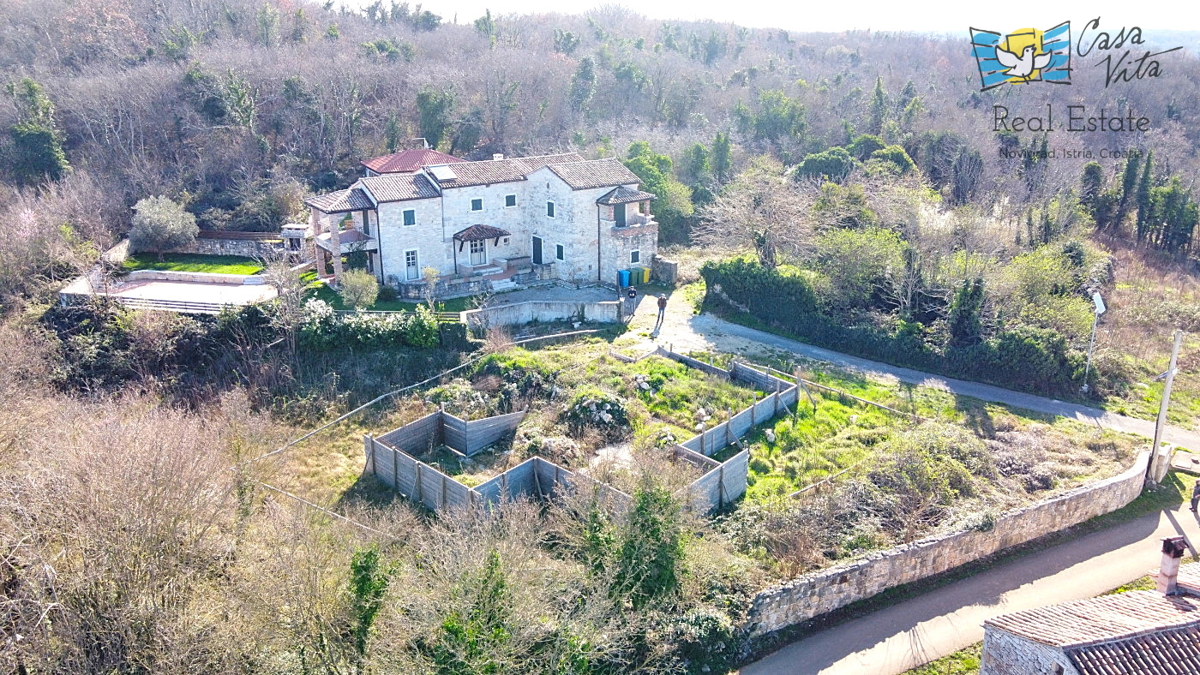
1143, 197
1128, 183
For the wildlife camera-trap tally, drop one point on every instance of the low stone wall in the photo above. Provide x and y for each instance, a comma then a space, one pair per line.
664, 271
527, 312
247, 248
814, 594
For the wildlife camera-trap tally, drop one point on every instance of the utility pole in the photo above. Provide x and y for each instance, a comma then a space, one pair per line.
1157, 474
1100, 309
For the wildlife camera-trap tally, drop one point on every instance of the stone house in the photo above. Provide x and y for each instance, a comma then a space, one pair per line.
487, 225
1134, 633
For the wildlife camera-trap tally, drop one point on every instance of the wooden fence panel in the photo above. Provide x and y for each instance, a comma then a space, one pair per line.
416, 437
734, 475
480, 434
454, 432
696, 363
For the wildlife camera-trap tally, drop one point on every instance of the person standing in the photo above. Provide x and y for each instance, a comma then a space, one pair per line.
1195, 496
662, 311
631, 300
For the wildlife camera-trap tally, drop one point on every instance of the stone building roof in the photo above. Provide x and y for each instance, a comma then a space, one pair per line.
342, 201
594, 173
1106, 618
408, 161
398, 187
624, 195
1174, 651
492, 171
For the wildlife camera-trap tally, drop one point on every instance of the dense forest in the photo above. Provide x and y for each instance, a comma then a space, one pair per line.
858, 176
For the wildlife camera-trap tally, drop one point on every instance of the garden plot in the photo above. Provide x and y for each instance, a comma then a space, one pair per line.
529, 423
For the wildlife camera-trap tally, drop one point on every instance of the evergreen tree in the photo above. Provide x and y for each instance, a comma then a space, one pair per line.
434, 114
583, 84
964, 319
37, 151
722, 157
1091, 185
1143, 197
1128, 182
879, 107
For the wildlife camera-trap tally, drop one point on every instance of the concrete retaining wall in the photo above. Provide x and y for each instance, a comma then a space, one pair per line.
196, 277
820, 592
527, 312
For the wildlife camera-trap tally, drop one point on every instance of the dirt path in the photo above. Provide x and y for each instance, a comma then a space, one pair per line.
942, 621
684, 331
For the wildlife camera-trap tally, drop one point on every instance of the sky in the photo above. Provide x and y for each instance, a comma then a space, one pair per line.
896, 15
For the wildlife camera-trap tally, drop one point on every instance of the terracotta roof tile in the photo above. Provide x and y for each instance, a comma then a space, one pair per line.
398, 187
624, 195
480, 232
538, 161
488, 172
1173, 651
342, 201
1105, 618
595, 173
408, 161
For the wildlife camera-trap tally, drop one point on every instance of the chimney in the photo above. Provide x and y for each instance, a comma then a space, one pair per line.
497, 157
1168, 571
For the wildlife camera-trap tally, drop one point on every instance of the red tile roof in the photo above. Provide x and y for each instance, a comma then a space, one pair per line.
1101, 619
342, 201
511, 170
398, 187
480, 232
408, 161
595, 173
623, 195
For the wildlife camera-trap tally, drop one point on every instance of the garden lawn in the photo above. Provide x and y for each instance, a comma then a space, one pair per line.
193, 262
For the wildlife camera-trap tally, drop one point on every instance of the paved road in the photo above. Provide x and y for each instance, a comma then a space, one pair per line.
947, 619
943, 621
686, 331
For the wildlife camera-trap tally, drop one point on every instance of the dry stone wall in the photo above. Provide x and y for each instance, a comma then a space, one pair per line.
814, 594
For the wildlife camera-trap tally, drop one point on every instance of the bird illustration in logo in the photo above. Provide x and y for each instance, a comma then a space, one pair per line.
1022, 66
1023, 56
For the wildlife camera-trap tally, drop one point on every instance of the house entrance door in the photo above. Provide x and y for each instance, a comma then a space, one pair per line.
619, 214
478, 252
537, 250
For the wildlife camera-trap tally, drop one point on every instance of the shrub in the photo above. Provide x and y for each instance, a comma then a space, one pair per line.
359, 288
160, 225
323, 328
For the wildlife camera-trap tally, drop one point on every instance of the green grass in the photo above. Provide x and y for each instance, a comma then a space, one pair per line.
963, 662
191, 262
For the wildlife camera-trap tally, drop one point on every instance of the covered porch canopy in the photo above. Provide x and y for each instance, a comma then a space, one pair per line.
613, 206
476, 233
349, 241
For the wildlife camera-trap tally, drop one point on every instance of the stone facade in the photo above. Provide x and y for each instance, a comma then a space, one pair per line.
1008, 654
580, 243
814, 594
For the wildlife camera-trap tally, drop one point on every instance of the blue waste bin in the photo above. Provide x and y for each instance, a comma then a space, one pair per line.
623, 277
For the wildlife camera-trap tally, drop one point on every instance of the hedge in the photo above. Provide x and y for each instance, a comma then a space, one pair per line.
1025, 358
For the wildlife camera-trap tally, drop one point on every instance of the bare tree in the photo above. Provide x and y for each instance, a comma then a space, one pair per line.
764, 209
289, 303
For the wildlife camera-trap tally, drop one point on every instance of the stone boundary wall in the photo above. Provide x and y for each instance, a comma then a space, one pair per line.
605, 311
246, 248
820, 592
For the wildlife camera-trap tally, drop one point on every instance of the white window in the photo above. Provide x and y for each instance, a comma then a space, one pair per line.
550, 209
410, 217
412, 268
478, 252
476, 204
559, 252
510, 200
635, 257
